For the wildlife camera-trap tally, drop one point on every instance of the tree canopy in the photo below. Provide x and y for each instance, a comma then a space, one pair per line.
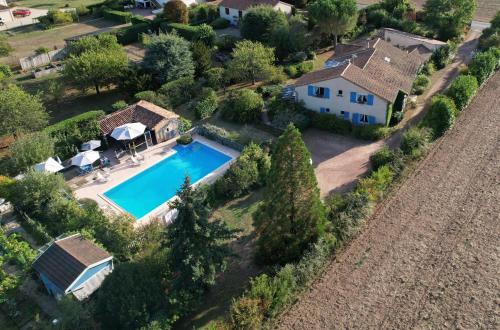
334, 17
95, 62
449, 18
251, 61
31, 149
198, 247
168, 58
20, 112
260, 22
292, 215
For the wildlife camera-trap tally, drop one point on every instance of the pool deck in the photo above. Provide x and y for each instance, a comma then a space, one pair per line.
89, 187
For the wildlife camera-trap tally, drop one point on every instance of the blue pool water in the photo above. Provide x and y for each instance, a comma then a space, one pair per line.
152, 187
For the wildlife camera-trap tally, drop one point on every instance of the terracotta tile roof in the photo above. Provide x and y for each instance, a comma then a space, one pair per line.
67, 258
245, 4
379, 68
143, 112
320, 75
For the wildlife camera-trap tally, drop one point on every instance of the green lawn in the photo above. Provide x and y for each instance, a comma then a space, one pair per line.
50, 4
236, 214
74, 103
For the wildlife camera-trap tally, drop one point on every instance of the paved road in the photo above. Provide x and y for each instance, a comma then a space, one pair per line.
430, 257
340, 161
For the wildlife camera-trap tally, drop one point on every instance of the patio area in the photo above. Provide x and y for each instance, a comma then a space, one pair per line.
92, 186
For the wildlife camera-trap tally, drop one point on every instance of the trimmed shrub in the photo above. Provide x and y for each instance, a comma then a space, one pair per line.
131, 34
270, 90
420, 84
176, 11
185, 124
414, 141
242, 106
371, 132
297, 70
204, 33
117, 16
440, 116
155, 98
377, 183
443, 55
246, 314
203, 13
249, 171
382, 157
428, 69
214, 78
185, 139
56, 17
207, 104
330, 123
220, 23
462, 89
483, 65
284, 112
226, 42
69, 134
292, 71
178, 91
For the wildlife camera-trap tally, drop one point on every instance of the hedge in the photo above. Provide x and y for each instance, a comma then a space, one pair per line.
219, 135
414, 141
117, 16
203, 32
330, 123
207, 104
36, 229
220, 23
484, 64
138, 19
131, 34
72, 132
371, 132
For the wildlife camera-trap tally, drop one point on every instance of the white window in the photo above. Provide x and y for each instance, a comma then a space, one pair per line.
363, 118
340, 93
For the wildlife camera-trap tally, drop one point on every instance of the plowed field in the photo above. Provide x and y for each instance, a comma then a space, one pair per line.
430, 256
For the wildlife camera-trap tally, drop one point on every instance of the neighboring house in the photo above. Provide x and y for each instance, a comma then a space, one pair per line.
407, 40
162, 124
233, 10
73, 265
361, 82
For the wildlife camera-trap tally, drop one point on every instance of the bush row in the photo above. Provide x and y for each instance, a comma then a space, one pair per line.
297, 70
338, 125
35, 229
117, 16
131, 34
69, 134
203, 32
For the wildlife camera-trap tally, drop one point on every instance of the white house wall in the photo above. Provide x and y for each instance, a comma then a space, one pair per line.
336, 103
284, 7
232, 17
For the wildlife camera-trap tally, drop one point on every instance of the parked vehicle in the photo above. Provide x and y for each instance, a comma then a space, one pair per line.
21, 12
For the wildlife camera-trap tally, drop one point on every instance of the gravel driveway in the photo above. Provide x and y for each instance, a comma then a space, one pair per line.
429, 258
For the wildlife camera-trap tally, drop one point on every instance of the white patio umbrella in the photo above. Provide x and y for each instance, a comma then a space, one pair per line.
50, 165
91, 145
128, 131
85, 158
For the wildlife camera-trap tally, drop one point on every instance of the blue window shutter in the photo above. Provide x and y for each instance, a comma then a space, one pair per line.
355, 118
321, 110
371, 120
310, 90
346, 115
327, 93
369, 98
353, 97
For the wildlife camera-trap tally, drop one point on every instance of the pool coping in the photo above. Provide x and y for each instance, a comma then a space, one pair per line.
161, 210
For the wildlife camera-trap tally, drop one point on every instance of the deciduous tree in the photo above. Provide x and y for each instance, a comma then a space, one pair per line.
20, 112
31, 149
251, 61
260, 22
334, 17
168, 58
292, 215
449, 18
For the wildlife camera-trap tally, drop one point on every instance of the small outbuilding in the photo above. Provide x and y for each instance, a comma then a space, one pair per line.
73, 265
161, 124
234, 10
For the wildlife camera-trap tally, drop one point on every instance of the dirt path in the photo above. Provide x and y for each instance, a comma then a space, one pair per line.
340, 161
430, 257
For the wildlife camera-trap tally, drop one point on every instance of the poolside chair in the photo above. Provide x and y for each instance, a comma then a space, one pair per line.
107, 172
135, 161
100, 178
85, 169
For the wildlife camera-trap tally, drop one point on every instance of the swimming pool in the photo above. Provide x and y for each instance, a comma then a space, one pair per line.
152, 187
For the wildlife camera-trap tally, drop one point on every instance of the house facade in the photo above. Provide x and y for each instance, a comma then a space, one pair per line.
361, 82
234, 10
73, 265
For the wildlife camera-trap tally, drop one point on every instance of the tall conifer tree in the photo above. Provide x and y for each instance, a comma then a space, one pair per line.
292, 215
